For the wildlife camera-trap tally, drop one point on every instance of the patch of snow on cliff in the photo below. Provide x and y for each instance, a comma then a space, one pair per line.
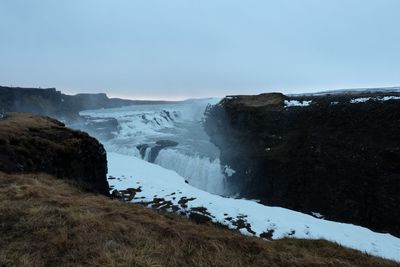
360, 100
296, 103
365, 99
386, 98
152, 184
229, 171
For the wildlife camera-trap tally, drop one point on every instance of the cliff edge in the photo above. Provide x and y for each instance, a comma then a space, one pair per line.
331, 155
30, 143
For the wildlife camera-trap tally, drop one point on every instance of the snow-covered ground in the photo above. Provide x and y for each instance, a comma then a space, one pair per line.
162, 188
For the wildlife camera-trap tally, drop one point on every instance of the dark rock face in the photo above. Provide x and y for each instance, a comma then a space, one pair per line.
334, 157
30, 143
39, 101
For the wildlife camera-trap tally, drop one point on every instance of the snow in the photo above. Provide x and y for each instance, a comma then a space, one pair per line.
360, 100
296, 103
157, 182
351, 91
365, 99
386, 98
317, 215
229, 171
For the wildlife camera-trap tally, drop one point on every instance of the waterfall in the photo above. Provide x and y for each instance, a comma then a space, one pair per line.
147, 153
150, 131
200, 172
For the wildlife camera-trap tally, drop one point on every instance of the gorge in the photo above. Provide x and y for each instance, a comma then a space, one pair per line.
231, 161
335, 155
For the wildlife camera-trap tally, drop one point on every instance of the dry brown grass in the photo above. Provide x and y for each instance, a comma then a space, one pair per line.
272, 101
15, 119
46, 222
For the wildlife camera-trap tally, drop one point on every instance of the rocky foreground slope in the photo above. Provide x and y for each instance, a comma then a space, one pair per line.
332, 155
30, 143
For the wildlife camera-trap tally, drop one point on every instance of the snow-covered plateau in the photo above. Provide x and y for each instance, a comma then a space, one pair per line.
305, 103
160, 188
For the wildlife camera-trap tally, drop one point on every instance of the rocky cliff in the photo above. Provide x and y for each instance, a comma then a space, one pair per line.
337, 155
53, 103
40, 101
30, 143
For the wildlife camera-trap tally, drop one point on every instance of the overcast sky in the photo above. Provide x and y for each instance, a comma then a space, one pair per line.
194, 48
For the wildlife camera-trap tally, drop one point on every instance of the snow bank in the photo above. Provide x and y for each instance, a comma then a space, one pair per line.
157, 182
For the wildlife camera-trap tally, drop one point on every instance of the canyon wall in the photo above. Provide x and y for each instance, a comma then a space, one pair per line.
53, 103
337, 155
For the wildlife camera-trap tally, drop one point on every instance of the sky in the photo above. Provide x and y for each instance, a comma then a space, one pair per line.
176, 49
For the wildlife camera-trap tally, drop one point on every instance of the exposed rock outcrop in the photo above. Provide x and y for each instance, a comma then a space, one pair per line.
30, 143
338, 155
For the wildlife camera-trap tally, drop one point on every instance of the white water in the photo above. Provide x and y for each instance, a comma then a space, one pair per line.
201, 172
146, 154
195, 158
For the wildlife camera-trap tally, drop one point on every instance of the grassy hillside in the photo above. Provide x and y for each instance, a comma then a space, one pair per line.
46, 221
